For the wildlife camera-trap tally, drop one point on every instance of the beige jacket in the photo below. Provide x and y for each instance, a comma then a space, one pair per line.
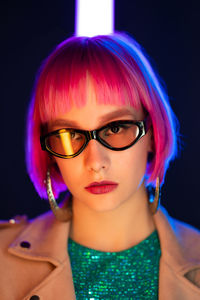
34, 262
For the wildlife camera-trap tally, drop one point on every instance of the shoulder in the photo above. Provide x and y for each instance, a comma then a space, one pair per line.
188, 237
186, 231
10, 229
19, 219
13, 224
182, 229
21, 222
174, 233
21, 228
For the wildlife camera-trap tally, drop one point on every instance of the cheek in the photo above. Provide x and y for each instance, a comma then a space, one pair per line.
69, 170
133, 162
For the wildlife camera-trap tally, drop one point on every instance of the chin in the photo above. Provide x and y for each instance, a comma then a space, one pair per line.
103, 205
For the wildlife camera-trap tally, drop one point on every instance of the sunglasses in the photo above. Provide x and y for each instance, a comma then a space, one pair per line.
117, 136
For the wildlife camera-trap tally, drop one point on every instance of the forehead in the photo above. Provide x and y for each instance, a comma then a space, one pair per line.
93, 115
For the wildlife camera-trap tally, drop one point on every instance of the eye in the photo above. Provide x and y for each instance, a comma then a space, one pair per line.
75, 135
72, 133
114, 129
69, 133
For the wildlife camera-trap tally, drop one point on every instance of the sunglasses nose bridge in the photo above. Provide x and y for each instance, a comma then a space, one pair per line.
92, 135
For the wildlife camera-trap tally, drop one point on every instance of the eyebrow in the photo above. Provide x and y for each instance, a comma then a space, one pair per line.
103, 119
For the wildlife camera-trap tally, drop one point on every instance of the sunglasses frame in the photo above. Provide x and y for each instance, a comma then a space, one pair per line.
143, 127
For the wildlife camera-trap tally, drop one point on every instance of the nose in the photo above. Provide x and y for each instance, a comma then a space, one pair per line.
96, 156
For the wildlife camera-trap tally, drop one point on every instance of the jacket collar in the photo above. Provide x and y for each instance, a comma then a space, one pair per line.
47, 238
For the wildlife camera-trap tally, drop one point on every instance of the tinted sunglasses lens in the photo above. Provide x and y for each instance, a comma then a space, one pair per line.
66, 142
119, 135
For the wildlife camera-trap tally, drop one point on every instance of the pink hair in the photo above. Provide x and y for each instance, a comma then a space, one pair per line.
121, 74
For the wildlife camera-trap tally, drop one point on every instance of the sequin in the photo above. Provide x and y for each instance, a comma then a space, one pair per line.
128, 274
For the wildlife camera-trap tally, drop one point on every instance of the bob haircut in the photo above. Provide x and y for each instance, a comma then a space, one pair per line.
121, 75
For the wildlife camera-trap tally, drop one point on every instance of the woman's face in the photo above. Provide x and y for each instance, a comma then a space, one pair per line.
96, 163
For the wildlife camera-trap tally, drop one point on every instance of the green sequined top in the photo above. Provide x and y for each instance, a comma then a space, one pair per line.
128, 274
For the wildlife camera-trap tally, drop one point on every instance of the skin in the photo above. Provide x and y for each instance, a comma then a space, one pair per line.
119, 219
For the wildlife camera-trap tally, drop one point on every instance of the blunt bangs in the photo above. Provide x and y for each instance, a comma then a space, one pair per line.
121, 75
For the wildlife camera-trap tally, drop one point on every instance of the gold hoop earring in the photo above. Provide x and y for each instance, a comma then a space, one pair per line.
153, 205
61, 214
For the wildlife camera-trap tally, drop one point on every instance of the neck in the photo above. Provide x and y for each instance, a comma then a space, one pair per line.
113, 230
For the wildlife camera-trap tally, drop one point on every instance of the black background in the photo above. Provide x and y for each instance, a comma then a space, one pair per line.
168, 30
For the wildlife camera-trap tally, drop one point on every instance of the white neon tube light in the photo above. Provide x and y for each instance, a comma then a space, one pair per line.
94, 17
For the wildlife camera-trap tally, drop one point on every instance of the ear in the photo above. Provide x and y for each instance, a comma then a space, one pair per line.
151, 146
52, 159
52, 164
151, 143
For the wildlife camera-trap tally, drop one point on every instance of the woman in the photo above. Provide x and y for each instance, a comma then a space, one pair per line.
100, 126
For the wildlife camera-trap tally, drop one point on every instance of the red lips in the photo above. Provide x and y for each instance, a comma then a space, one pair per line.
101, 187
104, 182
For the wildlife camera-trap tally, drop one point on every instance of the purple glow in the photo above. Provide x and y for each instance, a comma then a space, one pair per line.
94, 17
